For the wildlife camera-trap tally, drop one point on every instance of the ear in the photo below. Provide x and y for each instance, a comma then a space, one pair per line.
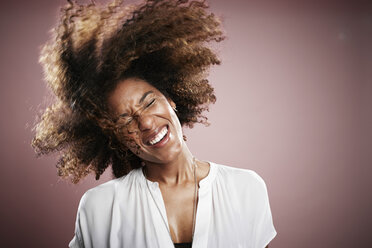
170, 101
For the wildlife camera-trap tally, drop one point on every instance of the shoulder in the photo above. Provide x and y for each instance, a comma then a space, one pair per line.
248, 193
240, 176
103, 195
246, 184
98, 196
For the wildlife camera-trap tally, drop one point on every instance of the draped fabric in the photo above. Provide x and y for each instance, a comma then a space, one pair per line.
233, 211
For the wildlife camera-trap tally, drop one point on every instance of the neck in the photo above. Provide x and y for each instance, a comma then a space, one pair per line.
176, 172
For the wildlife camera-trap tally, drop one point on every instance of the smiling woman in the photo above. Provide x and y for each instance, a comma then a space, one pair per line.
126, 80
148, 121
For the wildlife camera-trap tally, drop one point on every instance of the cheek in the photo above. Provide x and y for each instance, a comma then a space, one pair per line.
129, 142
177, 126
132, 143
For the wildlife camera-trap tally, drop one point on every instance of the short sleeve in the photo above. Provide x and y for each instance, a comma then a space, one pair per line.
77, 240
264, 226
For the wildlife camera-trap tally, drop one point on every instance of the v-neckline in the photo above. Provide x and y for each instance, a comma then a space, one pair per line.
204, 203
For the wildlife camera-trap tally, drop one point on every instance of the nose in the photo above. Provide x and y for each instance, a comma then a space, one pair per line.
145, 122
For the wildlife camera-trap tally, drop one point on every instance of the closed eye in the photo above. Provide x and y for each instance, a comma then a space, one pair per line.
150, 103
129, 120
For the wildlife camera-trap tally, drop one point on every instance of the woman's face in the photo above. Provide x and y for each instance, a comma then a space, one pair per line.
149, 126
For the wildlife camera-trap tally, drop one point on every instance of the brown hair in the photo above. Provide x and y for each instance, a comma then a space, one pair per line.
163, 42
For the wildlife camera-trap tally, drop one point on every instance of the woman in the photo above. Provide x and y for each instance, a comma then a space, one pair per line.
126, 80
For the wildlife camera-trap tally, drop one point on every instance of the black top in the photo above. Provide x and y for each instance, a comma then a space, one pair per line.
182, 245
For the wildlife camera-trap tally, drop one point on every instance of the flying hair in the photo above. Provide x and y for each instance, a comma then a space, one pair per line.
94, 47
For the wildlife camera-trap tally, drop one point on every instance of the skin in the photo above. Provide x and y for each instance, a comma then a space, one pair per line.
148, 111
170, 165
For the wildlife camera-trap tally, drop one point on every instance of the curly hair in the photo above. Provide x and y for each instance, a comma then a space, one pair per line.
93, 48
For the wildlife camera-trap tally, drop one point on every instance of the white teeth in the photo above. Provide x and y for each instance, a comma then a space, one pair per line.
159, 136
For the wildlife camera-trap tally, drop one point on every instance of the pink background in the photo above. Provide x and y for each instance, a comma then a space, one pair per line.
294, 104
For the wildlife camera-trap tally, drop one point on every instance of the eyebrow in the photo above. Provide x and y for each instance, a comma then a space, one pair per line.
140, 101
144, 95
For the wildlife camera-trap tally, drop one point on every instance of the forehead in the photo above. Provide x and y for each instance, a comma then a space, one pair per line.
128, 93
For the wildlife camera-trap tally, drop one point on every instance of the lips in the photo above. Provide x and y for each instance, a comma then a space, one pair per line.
158, 137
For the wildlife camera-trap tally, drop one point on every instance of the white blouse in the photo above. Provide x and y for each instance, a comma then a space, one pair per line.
233, 211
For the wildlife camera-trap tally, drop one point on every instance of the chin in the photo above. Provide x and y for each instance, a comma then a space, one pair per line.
164, 156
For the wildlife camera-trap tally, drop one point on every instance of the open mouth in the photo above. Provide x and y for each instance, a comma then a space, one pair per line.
159, 138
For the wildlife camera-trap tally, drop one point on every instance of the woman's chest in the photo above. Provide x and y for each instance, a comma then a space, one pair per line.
180, 206
157, 220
